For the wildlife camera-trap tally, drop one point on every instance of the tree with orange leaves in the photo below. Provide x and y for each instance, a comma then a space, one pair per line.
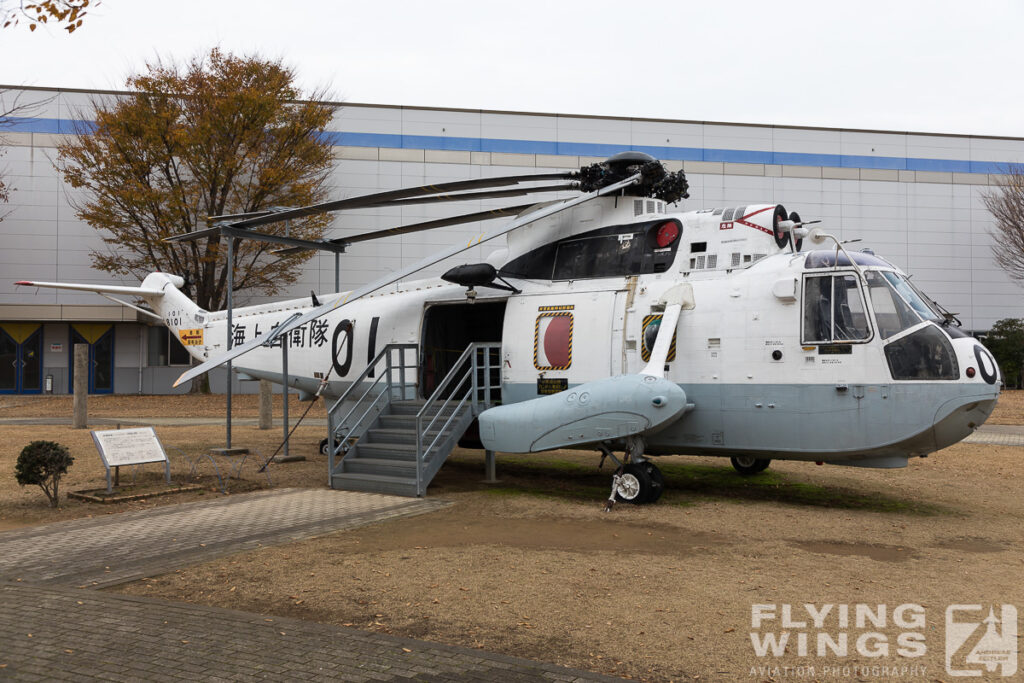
217, 135
67, 14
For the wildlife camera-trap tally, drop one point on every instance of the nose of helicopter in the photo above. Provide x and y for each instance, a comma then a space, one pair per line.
957, 418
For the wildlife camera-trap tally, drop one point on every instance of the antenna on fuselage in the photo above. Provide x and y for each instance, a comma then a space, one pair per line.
818, 237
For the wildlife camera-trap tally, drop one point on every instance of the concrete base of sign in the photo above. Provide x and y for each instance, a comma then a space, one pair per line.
125, 494
229, 451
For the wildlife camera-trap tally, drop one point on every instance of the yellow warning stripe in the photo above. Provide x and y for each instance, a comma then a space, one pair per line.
567, 307
645, 352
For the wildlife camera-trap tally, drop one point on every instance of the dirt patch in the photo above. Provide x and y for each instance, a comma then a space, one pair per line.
874, 551
454, 531
532, 567
972, 545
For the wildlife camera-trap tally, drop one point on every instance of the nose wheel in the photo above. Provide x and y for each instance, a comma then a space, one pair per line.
748, 465
639, 484
636, 481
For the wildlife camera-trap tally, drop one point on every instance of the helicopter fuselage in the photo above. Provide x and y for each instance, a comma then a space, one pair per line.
804, 355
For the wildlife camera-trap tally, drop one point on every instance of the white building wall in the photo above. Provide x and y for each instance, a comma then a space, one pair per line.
914, 199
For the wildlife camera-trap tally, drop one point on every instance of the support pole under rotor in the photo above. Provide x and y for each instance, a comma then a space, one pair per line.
284, 388
230, 331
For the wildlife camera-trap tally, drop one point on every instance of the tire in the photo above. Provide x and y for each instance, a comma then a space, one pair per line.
635, 485
323, 447
657, 482
748, 464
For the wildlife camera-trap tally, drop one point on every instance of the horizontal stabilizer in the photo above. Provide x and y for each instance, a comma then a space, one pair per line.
100, 289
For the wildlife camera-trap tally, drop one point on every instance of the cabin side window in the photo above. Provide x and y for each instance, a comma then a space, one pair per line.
636, 249
834, 310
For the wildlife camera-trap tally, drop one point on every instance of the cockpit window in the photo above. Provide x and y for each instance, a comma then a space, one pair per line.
834, 310
598, 256
925, 354
918, 301
892, 313
634, 249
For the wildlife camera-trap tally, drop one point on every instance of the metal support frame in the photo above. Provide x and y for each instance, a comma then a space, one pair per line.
234, 234
231, 331
284, 387
490, 468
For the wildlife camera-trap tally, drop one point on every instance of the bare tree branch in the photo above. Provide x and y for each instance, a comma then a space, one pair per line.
1006, 204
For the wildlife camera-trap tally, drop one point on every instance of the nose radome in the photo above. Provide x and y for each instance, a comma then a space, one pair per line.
958, 418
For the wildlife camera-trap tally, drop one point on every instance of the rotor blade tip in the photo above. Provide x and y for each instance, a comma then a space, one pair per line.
23, 282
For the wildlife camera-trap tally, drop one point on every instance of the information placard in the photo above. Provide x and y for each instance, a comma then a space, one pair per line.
129, 446
119, 447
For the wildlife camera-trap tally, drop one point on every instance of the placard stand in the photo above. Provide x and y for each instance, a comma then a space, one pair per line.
137, 446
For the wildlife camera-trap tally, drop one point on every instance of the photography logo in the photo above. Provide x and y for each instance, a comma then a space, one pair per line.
980, 642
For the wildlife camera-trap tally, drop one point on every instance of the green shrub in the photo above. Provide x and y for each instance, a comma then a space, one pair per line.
1006, 342
43, 463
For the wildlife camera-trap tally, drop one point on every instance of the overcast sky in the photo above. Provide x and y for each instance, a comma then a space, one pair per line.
896, 64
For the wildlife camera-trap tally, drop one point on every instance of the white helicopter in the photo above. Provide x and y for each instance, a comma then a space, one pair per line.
608, 323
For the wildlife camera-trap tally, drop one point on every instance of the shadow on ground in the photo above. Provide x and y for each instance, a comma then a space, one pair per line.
685, 484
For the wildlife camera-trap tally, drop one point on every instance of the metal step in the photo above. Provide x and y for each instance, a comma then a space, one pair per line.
413, 407
405, 469
397, 435
375, 483
366, 449
403, 421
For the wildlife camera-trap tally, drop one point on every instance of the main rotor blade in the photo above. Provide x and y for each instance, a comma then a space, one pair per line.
391, 278
415, 227
490, 194
379, 198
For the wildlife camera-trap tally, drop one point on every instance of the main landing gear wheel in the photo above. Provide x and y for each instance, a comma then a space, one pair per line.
748, 464
323, 447
639, 483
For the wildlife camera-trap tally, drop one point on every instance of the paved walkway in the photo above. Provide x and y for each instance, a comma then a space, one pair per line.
113, 549
998, 435
52, 630
66, 634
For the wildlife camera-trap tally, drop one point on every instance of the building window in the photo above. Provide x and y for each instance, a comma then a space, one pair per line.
166, 350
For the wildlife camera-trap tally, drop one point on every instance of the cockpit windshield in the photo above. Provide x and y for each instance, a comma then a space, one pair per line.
898, 305
892, 313
913, 296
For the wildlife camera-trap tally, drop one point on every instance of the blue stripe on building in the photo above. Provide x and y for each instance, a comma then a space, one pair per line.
462, 144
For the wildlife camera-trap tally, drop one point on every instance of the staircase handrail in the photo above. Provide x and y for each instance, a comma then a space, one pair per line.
370, 367
468, 355
335, 425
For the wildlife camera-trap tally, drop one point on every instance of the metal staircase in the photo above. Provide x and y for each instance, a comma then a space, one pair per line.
384, 439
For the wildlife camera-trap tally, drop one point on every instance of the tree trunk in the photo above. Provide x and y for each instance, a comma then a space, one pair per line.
200, 384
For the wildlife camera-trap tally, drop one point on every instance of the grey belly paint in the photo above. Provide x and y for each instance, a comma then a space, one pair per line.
817, 422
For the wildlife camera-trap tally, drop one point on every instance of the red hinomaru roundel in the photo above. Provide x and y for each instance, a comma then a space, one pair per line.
552, 341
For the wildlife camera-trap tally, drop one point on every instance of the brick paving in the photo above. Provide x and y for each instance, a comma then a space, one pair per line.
51, 633
111, 549
51, 629
998, 435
